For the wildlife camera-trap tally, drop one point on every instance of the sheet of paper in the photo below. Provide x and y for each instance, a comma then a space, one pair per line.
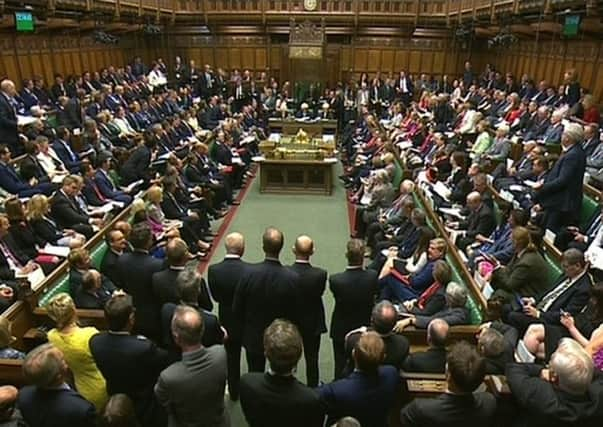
60, 251
35, 278
455, 212
442, 190
25, 120
107, 207
594, 256
131, 187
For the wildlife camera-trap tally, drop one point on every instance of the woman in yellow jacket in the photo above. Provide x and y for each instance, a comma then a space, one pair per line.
73, 342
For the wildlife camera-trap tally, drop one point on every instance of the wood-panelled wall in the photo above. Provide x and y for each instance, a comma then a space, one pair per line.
342, 61
549, 59
25, 56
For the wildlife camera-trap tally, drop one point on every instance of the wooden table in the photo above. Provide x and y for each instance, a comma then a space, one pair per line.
296, 176
290, 127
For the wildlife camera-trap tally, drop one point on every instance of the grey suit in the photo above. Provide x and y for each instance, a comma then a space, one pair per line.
192, 390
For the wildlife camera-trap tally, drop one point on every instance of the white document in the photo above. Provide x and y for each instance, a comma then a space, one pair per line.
258, 158
58, 179
594, 256
60, 251
35, 278
331, 160
549, 237
328, 138
25, 120
455, 212
404, 145
131, 187
101, 210
442, 190
274, 137
530, 184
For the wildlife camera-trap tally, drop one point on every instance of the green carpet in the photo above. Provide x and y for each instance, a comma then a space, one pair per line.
324, 219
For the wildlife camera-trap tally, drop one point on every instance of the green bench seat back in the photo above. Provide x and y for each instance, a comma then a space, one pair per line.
475, 314
61, 286
555, 270
97, 255
588, 211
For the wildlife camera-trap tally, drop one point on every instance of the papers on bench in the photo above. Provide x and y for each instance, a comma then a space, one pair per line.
247, 140
60, 251
331, 160
58, 178
441, 190
34, 278
404, 145
25, 120
131, 187
274, 137
328, 138
549, 237
455, 212
594, 255
258, 158
530, 184
101, 210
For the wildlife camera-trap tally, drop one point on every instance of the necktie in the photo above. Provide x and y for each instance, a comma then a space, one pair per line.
10, 255
70, 151
550, 298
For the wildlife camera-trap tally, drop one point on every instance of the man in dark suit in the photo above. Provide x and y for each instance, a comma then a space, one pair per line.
266, 292
63, 149
58, 89
134, 272
434, 359
223, 278
12, 183
354, 291
570, 294
117, 244
460, 405
129, 363
49, 401
368, 393
480, 220
68, 213
567, 393
276, 398
560, 195
383, 320
8, 117
188, 287
312, 281
105, 184
92, 294
75, 111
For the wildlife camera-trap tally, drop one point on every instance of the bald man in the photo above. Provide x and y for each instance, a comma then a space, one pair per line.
8, 117
9, 416
312, 283
433, 360
267, 291
223, 278
480, 221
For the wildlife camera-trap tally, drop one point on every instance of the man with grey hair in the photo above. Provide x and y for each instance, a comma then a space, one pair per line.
453, 313
565, 394
560, 194
222, 279
8, 117
433, 360
49, 401
495, 348
192, 390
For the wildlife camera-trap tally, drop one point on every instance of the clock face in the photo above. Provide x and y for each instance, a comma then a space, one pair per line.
310, 4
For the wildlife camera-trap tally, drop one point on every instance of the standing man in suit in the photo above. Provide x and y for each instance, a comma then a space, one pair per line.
192, 390
117, 244
404, 89
368, 393
465, 371
134, 271
433, 360
75, 110
567, 393
276, 398
354, 291
223, 279
267, 291
129, 363
312, 282
49, 401
9, 134
560, 195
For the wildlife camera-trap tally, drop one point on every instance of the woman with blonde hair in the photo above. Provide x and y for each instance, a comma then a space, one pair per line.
46, 228
73, 340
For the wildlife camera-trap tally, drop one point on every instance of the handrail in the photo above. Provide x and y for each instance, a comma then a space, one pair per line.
460, 264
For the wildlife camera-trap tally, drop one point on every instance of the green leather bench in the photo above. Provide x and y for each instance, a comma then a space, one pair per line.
97, 255
589, 209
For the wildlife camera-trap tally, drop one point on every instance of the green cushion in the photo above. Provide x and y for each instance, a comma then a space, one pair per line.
497, 214
97, 255
555, 270
398, 175
61, 286
587, 211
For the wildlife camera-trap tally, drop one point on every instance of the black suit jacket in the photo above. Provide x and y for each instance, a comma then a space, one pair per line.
573, 300
312, 283
354, 291
450, 410
223, 279
562, 189
274, 401
55, 408
74, 113
66, 211
130, 364
432, 361
134, 271
267, 291
543, 404
396, 349
8, 125
108, 264
137, 166
164, 289
481, 222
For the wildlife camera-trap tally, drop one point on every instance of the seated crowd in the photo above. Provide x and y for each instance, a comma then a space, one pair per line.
166, 359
